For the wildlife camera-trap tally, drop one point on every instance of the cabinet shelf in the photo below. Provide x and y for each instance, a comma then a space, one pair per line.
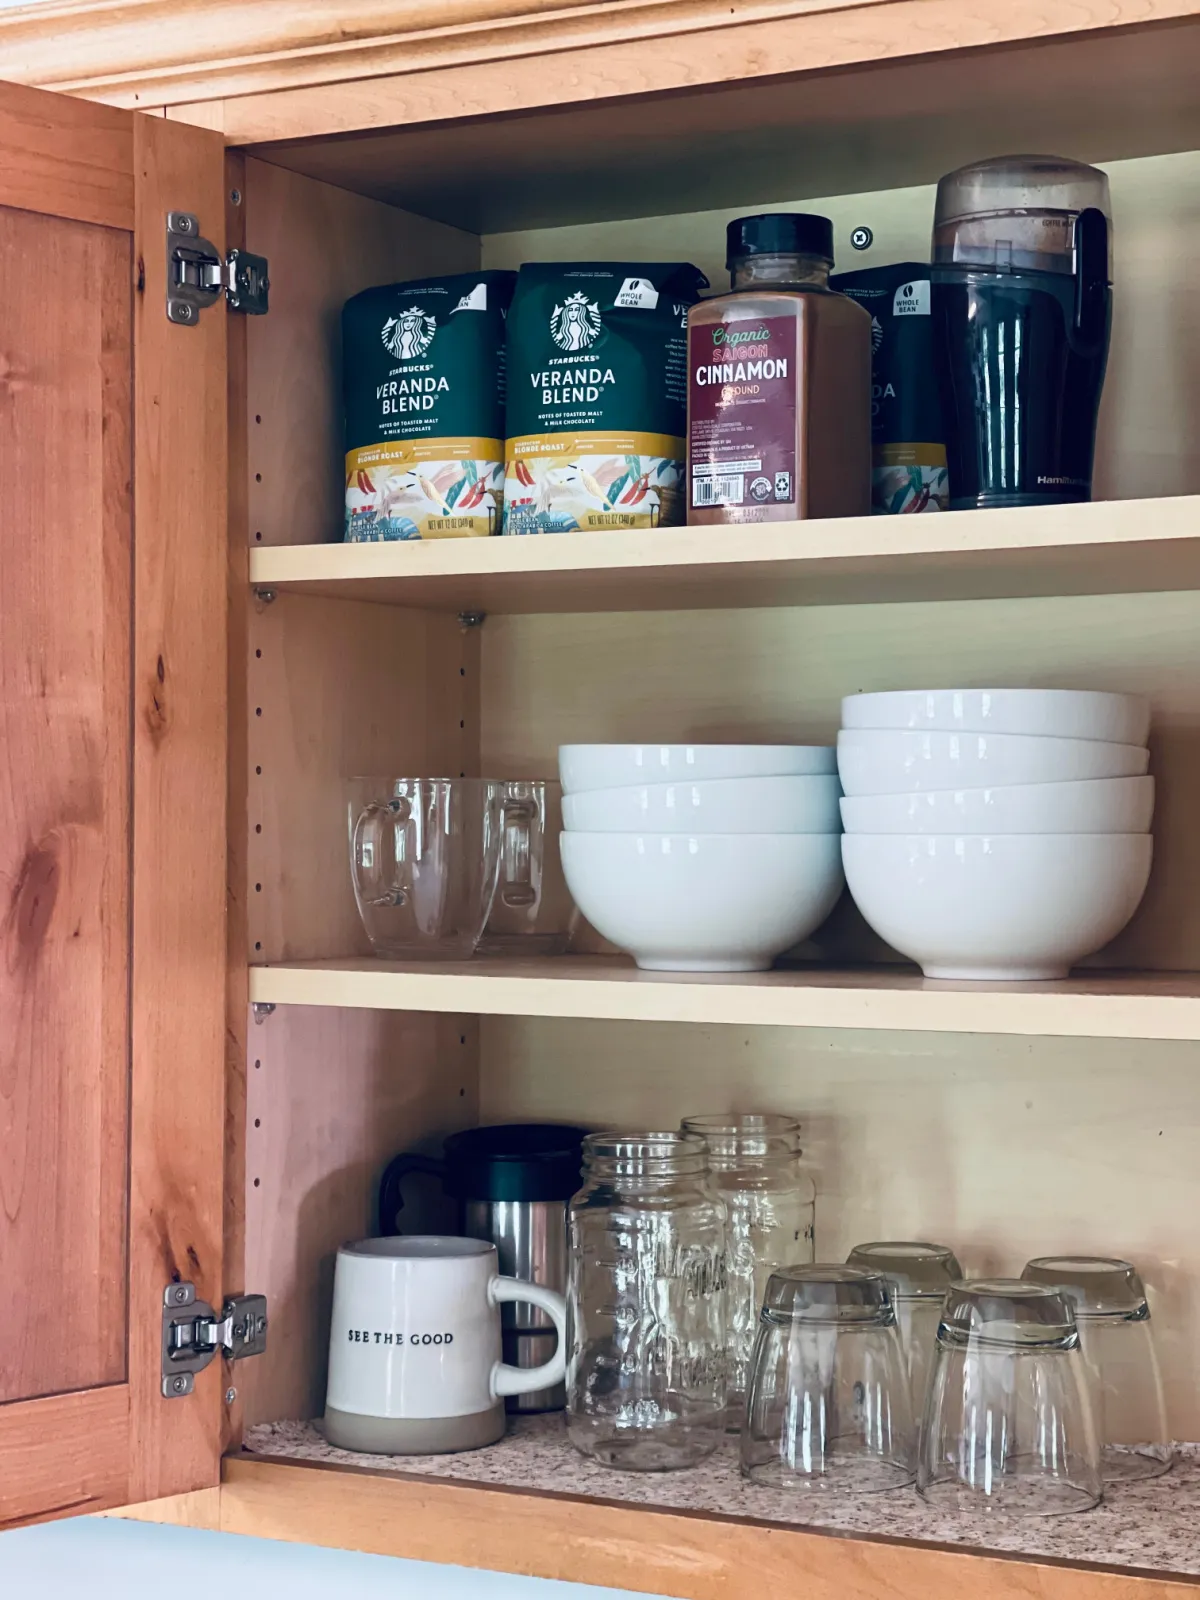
1117, 1005
532, 1505
1108, 547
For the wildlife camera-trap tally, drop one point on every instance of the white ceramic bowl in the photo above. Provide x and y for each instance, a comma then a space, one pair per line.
1061, 713
871, 761
703, 902
1008, 906
720, 805
1094, 805
615, 766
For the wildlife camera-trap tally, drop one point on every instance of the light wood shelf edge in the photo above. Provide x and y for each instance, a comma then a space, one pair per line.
1120, 1006
1136, 544
692, 1555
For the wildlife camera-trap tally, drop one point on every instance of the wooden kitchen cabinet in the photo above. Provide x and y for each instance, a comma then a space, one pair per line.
113, 749
206, 1069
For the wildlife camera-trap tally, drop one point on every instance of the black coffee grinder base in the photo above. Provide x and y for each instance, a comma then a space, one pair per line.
989, 500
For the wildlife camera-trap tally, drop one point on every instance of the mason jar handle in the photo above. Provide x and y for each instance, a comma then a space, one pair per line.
508, 1380
520, 850
366, 854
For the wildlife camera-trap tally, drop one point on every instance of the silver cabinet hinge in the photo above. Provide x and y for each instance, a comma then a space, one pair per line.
193, 1334
198, 277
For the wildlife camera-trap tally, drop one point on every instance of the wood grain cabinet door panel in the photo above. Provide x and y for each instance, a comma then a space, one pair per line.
112, 805
66, 585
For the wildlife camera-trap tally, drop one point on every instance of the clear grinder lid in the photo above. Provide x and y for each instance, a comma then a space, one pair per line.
1017, 213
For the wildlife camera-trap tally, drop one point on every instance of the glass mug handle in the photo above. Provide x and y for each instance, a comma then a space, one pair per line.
521, 849
508, 1380
366, 854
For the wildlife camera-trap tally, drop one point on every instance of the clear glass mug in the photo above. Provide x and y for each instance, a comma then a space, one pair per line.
532, 912
435, 861
424, 859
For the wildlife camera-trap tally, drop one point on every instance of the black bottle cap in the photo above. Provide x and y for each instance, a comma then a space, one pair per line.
516, 1161
779, 233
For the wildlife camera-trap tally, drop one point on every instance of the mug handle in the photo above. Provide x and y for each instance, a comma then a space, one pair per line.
521, 848
507, 1380
366, 854
391, 1199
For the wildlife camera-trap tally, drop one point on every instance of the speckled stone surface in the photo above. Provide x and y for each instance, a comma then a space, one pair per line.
1153, 1525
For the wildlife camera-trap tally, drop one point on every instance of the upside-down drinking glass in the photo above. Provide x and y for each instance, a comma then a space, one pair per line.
918, 1277
1008, 1421
1113, 1316
828, 1409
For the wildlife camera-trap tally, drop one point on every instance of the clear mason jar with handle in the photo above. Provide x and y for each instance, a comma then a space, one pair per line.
646, 1362
756, 1166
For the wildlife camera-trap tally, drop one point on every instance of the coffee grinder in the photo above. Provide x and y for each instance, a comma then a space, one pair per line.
1021, 300
511, 1184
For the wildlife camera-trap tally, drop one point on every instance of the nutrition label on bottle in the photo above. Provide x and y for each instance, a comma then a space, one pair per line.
742, 381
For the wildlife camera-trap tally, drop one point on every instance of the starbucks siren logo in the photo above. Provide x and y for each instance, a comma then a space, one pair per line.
876, 335
575, 325
409, 335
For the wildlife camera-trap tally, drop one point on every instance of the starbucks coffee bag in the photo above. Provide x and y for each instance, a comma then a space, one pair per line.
597, 396
907, 438
423, 381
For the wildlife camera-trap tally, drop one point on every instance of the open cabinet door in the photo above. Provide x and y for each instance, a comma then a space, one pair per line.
112, 804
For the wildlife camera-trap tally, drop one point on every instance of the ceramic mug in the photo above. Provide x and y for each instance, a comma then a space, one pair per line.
414, 1348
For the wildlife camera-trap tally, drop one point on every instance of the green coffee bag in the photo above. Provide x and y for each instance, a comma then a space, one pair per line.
908, 444
423, 381
597, 396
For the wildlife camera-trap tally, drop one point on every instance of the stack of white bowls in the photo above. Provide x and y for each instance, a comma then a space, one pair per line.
996, 833
702, 858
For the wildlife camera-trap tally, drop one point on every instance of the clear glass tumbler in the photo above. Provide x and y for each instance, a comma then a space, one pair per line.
918, 1276
1008, 1421
828, 1407
424, 859
532, 912
646, 1303
1128, 1404
755, 1163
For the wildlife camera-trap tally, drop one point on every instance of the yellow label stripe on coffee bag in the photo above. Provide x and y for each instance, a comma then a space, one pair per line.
567, 446
412, 452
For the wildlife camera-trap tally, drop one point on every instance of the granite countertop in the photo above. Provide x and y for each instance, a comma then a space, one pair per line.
1153, 1526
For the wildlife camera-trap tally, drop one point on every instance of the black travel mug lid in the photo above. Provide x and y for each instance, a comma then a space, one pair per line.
779, 233
521, 1161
